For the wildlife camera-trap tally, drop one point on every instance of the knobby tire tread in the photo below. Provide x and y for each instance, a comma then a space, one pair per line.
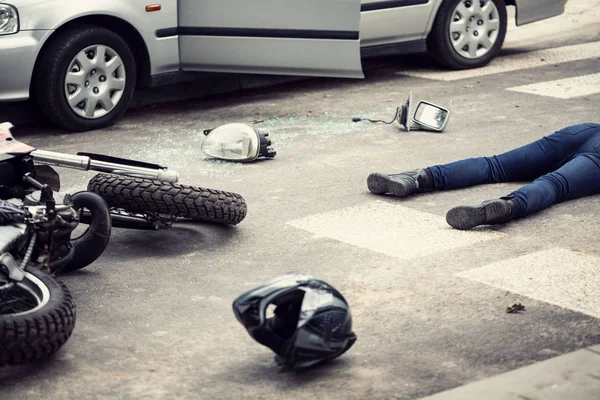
33, 336
139, 195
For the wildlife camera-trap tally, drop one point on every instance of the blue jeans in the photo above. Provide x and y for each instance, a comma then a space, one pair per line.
563, 166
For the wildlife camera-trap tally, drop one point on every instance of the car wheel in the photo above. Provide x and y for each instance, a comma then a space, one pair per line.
86, 78
467, 33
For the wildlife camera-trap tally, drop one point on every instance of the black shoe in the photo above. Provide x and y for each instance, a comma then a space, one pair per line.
401, 185
487, 213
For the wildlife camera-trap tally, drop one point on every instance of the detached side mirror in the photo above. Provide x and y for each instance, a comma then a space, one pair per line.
427, 116
431, 116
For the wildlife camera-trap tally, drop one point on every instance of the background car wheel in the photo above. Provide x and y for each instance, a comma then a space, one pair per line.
86, 78
467, 33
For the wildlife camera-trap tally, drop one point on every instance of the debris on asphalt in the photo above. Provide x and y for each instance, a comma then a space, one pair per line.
237, 142
515, 308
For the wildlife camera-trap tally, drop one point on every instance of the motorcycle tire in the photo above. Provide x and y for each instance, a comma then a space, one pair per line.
139, 195
92, 244
30, 335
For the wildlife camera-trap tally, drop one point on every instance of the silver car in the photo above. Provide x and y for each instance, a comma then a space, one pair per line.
82, 60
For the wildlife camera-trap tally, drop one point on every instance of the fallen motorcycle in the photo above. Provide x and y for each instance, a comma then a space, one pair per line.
37, 312
143, 195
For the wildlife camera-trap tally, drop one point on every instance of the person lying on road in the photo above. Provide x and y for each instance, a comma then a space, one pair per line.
563, 166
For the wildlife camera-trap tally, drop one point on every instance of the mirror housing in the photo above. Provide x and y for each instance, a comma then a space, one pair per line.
426, 116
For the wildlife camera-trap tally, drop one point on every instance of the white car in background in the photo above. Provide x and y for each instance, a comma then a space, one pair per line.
82, 60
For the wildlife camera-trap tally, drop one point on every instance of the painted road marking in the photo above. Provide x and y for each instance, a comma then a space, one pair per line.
557, 276
564, 88
515, 62
391, 229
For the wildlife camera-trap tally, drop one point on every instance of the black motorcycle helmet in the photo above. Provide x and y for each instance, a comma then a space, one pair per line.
311, 322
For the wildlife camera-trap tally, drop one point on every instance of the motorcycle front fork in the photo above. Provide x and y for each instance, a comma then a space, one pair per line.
127, 220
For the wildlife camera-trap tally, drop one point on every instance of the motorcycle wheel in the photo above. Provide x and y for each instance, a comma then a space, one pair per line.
138, 195
37, 317
89, 246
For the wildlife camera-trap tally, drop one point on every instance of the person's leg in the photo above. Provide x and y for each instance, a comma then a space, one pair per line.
579, 177
402, 184
524, 163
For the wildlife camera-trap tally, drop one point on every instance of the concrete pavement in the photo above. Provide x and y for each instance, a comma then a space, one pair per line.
571, 376
154, 312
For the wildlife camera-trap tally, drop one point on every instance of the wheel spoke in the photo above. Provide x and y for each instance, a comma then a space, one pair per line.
76, 98
458, 26
84, 62
22, 301
492, 24
90, 107
100, 55
487, 8
116, 84
14, 302
476, 4
113, 64
106, 101
75, 78
473, 48
463, 10
461, 42
486, 42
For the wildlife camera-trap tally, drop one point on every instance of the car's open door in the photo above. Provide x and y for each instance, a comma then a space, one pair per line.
535, 10
287, 37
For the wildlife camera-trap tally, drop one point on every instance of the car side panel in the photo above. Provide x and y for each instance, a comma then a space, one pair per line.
391, 21
51, 15
535, 10
18, 53
288, 37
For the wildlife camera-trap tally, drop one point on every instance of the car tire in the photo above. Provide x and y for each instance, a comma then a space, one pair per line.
105, 93
448, 33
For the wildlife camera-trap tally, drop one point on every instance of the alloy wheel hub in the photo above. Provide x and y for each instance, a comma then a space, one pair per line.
95, 81
474, 28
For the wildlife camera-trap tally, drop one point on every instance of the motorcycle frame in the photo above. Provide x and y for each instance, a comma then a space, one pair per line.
106, 164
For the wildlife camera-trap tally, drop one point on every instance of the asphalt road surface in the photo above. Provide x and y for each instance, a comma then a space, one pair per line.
154, 312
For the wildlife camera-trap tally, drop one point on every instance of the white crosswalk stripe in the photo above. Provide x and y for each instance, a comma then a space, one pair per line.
564, 88
515, 62
557, 276
391, 229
